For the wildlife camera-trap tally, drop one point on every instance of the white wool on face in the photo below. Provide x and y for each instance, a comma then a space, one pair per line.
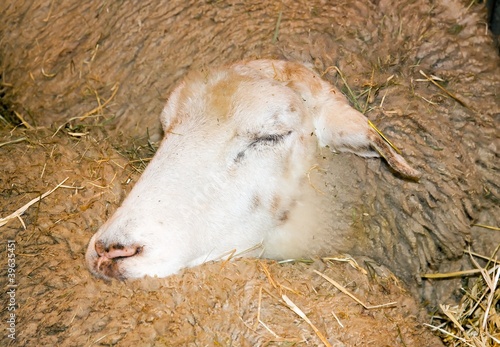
233, 171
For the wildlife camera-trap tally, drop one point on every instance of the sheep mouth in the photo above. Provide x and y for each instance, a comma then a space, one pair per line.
107, 259
108, 268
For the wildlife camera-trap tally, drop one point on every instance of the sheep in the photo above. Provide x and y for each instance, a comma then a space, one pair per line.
232, 174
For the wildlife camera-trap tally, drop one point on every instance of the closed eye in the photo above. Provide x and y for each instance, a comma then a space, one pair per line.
269, 139
261, 142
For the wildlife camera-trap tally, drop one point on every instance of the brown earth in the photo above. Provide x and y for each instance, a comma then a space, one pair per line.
103, 71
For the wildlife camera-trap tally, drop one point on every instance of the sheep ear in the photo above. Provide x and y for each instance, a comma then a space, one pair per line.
388, 152
170, 114
347, 130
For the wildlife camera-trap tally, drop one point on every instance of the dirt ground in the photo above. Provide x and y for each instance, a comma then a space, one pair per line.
87, 83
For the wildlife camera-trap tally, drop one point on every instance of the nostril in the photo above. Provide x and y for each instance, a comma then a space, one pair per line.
116, 250
100, 248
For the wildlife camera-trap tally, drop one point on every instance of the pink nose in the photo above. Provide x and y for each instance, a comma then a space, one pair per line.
115, 250
108, 254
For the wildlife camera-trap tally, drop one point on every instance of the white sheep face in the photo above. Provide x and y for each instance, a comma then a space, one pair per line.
231, 173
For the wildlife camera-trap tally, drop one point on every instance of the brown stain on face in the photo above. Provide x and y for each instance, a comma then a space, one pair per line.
284, 216
218, 92
256, 202
220, 95
275, 203
297, 74
108, 269
280, 214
